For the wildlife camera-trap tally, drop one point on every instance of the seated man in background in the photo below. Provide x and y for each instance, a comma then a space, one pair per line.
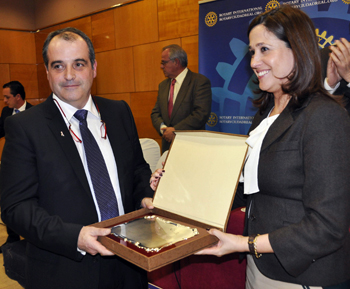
14, 99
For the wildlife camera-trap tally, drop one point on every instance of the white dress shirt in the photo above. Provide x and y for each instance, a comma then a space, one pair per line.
330, 89
22, 108
94, 125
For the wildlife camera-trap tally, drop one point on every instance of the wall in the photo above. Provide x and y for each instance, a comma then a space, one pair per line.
17, 14
56, 11
18, 62
128, 42
34, 14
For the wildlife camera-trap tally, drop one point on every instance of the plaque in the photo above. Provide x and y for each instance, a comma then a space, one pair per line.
152, 233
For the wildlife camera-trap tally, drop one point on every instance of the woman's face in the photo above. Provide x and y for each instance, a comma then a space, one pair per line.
272, 61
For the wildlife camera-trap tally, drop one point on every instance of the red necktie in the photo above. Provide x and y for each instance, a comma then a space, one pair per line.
171, 97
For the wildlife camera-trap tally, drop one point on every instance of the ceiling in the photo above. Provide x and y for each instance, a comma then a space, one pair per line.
37, 14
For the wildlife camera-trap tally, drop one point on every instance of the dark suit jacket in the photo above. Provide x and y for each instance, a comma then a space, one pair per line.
304, 199
192, 106
46, 197
6, 112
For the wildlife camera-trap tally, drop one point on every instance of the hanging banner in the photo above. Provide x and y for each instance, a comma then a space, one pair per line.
224, 58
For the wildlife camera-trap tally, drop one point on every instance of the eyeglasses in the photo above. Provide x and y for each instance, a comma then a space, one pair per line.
165, 62
103, 127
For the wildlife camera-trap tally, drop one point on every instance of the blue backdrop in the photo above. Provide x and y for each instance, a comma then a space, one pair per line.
224, 57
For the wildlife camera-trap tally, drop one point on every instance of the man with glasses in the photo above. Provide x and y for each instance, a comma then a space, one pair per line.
69, 162
184, 98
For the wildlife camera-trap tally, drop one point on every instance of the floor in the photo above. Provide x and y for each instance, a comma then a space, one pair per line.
5, 282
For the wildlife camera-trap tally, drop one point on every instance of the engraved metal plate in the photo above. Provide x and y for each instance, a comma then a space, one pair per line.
153, 233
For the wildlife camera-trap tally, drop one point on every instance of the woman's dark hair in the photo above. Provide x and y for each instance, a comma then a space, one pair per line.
296, 29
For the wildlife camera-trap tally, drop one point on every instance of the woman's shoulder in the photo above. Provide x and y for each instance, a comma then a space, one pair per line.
325, 111
323, 102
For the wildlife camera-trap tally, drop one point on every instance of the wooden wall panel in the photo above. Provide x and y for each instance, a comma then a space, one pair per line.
39, 43
136, 23
103, 34
2, 142
115, 72
17, 47
35, 101
43, 83
4, 75
118, 96
141, 107
147, 64
177, 18
128, 42
2, 104
190, 45
83, 24
40, 38
94, 87
57, 11
27, 75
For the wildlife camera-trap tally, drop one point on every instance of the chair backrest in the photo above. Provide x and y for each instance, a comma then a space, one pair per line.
151, 152
161, 160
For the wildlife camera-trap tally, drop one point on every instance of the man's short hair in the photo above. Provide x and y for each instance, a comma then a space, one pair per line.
176, 51
15, 88
68, 34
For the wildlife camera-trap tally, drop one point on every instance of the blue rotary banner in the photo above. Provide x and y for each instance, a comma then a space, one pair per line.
224, 57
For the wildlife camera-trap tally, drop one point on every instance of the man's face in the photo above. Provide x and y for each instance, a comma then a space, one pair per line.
169, 67
69, 70
9, 99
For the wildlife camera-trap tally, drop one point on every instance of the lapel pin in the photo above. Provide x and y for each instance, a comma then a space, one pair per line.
62, 134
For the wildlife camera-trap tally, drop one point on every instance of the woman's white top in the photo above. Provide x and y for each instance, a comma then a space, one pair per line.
254, 141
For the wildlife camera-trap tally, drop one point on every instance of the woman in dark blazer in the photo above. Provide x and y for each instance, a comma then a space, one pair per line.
297, 172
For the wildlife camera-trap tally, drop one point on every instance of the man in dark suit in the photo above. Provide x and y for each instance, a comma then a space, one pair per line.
336, 69
184, 98
14, 97
50, 193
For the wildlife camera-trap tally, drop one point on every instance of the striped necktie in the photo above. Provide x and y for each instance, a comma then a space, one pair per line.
104, 192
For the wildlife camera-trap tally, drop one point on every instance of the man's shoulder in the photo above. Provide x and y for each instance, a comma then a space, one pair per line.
109, 102
111, 106
28, 105
322, 106
195, 75
164, 82
6, 109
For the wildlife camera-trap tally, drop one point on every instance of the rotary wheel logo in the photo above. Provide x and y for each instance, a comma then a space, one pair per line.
211, 18
346, 1
271, 5
323, 40
213, 119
